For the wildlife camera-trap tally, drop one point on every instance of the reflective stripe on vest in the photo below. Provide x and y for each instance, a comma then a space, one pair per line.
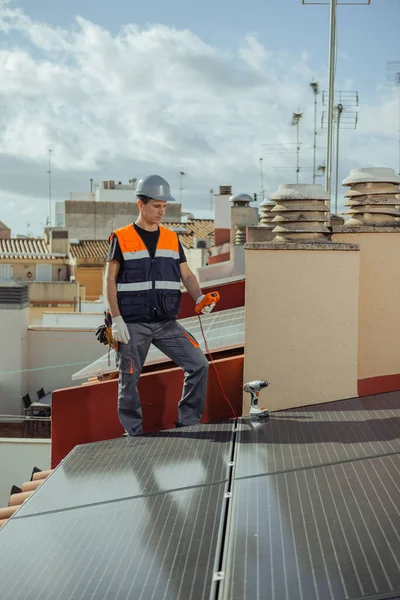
136, 255
134, 287
147, 285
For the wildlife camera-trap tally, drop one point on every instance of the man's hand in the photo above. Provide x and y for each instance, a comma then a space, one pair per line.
119, 330
206, 309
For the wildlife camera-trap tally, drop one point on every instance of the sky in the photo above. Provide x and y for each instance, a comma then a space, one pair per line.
120, 90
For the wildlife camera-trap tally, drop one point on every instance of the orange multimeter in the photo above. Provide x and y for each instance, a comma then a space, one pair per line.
210, 298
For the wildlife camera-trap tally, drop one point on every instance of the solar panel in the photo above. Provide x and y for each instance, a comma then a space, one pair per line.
311, 436
322, 533
129, 467
223, 329
159, 547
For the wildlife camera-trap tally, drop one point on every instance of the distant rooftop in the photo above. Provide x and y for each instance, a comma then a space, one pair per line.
195, 228
26, 248
88, 248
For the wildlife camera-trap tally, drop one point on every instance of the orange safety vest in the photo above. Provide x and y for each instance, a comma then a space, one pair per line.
147, 287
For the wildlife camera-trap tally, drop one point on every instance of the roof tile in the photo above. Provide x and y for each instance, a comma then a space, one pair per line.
199, 228
89, 249
26, 247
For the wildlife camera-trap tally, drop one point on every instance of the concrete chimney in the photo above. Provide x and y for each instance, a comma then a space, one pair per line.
222, 221
299, 214
373, 197
59, 243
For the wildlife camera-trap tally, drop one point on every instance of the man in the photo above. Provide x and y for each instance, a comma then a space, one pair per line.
145, 265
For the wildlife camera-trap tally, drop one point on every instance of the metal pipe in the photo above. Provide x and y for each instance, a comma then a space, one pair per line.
298, 152
331, 96
339, 110
315, 89
49, 172
261, 180
181, 188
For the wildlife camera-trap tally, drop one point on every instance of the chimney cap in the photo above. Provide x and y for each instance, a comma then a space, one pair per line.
371, 175
300, 191
242, 198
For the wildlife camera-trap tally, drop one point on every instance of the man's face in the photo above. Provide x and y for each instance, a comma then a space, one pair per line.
153, 211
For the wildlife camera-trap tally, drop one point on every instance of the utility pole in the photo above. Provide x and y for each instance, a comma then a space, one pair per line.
182, 174
331, 94
296, 123
339, 110
50, 150
314, 87
331, 77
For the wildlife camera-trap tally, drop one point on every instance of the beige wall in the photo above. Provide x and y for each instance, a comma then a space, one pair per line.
56, 291
92, 279
22, 268
379, 305
301, 325
96, 220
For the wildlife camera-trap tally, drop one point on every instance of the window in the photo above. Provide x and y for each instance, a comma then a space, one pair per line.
43, 273
6, 272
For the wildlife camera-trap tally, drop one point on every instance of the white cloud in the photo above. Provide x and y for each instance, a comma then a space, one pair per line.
164, 100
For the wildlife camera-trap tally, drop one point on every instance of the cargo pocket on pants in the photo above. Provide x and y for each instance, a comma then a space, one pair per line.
125, 364
191, 338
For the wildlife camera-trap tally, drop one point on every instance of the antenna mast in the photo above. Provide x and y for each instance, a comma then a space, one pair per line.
50, 150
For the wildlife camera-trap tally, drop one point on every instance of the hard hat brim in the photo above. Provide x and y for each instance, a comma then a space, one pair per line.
162, 198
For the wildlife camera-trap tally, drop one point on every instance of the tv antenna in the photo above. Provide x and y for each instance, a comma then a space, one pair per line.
50, 150
345, 116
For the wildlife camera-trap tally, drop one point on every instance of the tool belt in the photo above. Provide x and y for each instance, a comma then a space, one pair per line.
103, 333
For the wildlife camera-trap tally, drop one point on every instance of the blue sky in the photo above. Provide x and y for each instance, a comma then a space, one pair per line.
198, 87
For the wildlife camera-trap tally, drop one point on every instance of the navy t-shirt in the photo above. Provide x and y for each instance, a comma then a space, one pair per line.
150, 239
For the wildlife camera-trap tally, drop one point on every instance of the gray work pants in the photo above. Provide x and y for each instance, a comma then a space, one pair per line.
180, 346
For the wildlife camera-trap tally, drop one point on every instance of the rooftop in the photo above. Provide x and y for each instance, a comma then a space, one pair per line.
89, 249
195, 228
26, 248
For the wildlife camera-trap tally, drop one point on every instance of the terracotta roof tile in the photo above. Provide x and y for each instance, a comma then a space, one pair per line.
199, 228
89, 249
16, 500
25, 248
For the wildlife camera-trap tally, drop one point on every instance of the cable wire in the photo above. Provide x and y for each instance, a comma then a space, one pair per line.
216, 371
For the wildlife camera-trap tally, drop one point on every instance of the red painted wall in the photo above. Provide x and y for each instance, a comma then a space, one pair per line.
378, 385
89, 413
232, 296
219, 258
222, 236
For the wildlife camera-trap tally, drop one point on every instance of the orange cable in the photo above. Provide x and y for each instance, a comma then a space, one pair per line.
216, 370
